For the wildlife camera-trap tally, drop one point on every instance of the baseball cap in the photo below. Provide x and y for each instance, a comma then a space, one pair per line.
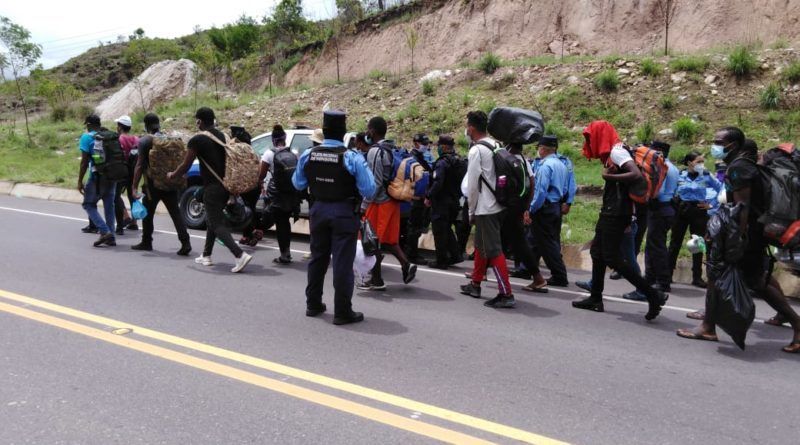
124, 120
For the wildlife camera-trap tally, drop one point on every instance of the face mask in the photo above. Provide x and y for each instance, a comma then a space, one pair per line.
699, 169
717, 151
466, 135
368, 139
440, 151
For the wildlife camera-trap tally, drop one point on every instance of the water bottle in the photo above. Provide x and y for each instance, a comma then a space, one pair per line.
98, 152
501, 181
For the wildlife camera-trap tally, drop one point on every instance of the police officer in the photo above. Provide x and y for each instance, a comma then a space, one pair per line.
660, 217
550, 202
338, 178
419, 217
442, 198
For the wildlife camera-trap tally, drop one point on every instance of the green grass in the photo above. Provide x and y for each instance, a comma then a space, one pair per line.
645, 133
692, 64
742, 62
490, 63
607, 81
578, 226
377, 75
667, 101
686, 129
792, 73
651, 68
770, 98
42, 162
429, 88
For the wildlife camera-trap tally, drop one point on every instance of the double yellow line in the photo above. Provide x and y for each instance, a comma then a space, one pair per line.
317, 397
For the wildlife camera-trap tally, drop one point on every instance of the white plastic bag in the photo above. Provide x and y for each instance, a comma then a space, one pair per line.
363, 264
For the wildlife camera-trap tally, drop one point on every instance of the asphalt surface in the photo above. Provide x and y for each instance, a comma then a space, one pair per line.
207, 359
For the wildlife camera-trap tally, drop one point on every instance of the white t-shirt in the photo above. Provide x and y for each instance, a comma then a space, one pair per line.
620, 156
268, 157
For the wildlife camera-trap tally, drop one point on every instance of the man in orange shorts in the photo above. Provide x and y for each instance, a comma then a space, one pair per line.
383, 212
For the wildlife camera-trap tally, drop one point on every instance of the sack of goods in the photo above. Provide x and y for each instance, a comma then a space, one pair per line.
516, 125
780, 174
241, 165
108, 157
165, 156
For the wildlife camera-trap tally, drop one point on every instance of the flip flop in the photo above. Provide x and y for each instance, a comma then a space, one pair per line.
542, 289
691, 335
775, 321
696, 315
793, 348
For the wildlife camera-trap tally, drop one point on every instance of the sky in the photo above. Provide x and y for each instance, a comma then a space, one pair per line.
67, 28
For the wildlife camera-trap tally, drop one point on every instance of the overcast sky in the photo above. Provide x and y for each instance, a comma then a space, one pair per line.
67, 28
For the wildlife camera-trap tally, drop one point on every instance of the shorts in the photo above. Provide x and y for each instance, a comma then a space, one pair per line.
488, 240
385, 220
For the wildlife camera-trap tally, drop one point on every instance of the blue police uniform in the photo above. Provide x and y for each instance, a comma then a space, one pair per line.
336, 177
444, 193
660, 217
551, 190
693, 190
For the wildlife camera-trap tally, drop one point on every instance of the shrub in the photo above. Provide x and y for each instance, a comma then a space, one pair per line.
489, 63
58, 113
607, 81
742, 62
771, 96
686, 129
645, 133
774, 118
792, 73
428, 88
692, 64
651, 68
667, 101
376, 75
298, 110
487, 105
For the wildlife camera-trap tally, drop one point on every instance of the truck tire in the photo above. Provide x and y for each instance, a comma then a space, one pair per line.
192, 210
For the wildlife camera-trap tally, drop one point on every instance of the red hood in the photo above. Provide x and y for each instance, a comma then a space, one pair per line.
602, 137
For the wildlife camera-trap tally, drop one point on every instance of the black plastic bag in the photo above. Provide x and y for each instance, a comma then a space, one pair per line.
515, 125
731, 304
728, 242
237, 214
369, 241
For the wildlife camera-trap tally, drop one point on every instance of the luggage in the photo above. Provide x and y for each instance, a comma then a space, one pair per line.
166, 154
780, 174
241, 165
108, 157
410, 181
654, 170
515, 125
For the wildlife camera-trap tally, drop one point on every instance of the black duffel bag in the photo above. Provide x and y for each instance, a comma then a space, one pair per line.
516, 125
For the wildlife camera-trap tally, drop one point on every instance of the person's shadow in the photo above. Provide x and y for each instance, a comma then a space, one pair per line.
371, 325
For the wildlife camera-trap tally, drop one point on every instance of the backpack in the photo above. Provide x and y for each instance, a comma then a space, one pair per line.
654, 170
511, 187
242, 165
397, 156
166, 155
409, 182
780, 175
285, 163
108, 157
456, 171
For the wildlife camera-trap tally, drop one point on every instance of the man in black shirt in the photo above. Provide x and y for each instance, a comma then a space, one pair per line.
215, 196
744, 185
153, 195
442, 198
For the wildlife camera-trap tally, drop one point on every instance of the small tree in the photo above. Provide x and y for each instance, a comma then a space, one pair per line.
138, 34
412, 38
21, 56
666, 10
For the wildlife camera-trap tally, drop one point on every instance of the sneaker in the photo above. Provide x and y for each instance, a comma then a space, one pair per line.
468, 275
654, 307
147, 247
418, 260
585, 285
590, 304
615, 276
120, 231
204, 260
313, 312
242, 262
409, 272
635, 296
371, 285
283, 260
89, 229
184, 250
501, 302
354, 317
106, 239
471, 289
131, 224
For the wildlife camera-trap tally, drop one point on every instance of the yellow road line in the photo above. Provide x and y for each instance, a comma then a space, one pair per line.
380, 396
367, 412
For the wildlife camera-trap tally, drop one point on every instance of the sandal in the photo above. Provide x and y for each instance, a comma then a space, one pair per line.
538, 288
692, 335
777, 320
696, 315
793, 348
245, 241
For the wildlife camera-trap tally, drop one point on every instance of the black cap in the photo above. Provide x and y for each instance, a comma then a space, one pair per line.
446, 139
152, 121
660, 146
422, 138
549, 141
334, 124
92, 119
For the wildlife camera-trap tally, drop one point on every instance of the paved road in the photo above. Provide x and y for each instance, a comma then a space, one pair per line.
220, 358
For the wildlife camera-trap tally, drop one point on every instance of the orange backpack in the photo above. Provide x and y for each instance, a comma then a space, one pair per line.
654, 170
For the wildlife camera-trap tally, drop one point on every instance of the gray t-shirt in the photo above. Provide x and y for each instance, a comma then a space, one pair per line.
379, 161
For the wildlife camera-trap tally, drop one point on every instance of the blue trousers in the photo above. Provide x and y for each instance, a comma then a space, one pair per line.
95, 190
334, 233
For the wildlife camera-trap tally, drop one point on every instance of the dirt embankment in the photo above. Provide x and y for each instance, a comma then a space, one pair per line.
461, 30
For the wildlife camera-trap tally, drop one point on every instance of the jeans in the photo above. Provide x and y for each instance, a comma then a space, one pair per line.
610, 234
215, 198
170, 199
628, 250
95, 190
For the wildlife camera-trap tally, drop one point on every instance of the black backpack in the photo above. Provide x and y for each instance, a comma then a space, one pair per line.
511, 187
108, 157
285, 163
780, 176
456, 170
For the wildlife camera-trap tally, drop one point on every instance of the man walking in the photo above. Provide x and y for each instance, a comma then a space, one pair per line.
98, 187
338, 179
282, 198
486, 213
215, 197
419, 217
153, 195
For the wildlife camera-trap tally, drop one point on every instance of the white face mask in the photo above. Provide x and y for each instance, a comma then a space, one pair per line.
699, 168
466, 134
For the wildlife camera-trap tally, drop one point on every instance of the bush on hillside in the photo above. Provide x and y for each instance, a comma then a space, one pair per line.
651, 68
607, 81
742, 62
770, 98
645, 133
692, 64
428, 88
667, 101
686, 129
489, 63
792, 73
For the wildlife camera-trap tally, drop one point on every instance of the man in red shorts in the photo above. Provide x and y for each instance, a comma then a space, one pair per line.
383, 212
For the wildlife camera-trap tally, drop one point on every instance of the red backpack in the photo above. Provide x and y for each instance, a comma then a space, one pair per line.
654, 170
